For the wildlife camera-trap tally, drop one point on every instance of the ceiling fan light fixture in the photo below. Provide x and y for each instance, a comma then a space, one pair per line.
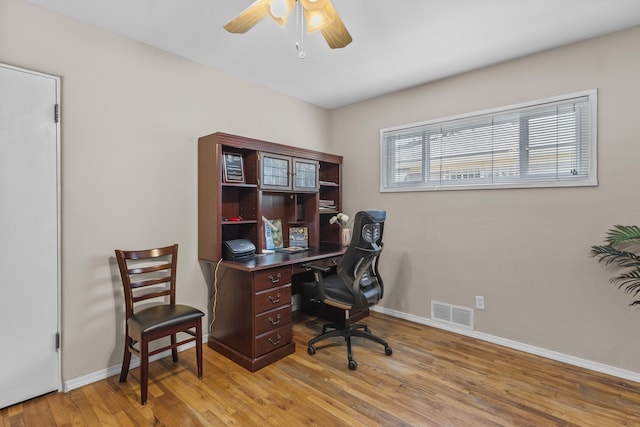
314, 4
279, 10
318, 14
317, 19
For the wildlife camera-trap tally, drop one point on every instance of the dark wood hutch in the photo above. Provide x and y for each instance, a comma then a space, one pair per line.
250, 307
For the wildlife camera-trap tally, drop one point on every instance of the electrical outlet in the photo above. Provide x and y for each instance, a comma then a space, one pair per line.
480, 302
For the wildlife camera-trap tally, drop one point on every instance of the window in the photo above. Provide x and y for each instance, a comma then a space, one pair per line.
547, 143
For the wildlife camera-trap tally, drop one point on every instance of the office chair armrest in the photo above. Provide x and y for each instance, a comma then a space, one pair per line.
318, 267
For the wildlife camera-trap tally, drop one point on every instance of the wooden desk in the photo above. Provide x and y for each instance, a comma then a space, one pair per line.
252, 318
299, 187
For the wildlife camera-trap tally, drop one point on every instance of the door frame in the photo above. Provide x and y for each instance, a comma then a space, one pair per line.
58, 82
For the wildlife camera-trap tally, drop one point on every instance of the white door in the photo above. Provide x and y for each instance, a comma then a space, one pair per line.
29, 263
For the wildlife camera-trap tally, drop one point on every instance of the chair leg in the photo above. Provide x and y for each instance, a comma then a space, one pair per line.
199, 347
144, 370
126, 359
330, 326
327, 334
174, 350
369, 335
355, 330
361, 326
352, 364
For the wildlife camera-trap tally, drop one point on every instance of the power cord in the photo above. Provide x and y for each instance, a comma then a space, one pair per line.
215, 294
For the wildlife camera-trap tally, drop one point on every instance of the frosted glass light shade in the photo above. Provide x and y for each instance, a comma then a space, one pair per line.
316, 19
279, 10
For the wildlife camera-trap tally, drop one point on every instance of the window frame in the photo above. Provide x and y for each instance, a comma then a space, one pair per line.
590, 179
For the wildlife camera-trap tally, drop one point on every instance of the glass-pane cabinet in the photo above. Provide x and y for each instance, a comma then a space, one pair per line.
275, 172
288, 173
305, 175
299, 187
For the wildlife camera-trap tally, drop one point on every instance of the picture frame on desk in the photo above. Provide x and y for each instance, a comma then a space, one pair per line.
278, 240
272, 233
298, 240
233, 168
299, 237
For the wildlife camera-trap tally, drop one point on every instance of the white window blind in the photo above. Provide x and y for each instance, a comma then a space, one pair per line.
538, 144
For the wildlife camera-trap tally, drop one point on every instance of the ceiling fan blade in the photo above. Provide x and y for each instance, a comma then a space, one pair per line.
247, 18
314, 4
336, 34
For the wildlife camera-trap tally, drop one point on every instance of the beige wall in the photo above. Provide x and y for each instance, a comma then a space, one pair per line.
132, 112
526, 251
131, 117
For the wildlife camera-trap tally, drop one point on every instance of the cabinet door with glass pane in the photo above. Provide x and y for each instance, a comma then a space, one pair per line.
275, 172
305, 175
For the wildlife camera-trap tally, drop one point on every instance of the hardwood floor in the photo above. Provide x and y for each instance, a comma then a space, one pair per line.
433, 378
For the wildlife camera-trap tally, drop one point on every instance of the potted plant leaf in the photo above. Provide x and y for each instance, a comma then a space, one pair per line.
623, 250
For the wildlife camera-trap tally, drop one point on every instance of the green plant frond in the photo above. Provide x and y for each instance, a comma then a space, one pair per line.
630, 281
624, 237
630, 264
633, 274
625, 262
622, 233
608, 254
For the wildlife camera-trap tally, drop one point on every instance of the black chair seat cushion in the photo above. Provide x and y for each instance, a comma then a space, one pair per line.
162, 316
336, 291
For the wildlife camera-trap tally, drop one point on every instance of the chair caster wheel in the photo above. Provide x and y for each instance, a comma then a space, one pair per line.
353, 365
311, 350
388, 351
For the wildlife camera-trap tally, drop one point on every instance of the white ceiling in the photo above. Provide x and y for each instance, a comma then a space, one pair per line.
396, 44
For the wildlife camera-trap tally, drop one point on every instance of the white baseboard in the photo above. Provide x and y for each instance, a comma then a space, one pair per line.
538, 351
115, 369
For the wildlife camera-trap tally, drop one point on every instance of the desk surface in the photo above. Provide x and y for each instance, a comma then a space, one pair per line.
266, 261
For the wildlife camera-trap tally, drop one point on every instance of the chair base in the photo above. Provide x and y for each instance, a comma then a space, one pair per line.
357, 330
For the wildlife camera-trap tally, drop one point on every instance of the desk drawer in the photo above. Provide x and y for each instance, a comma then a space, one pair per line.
273, 319
272, 298
272, 277
272, 340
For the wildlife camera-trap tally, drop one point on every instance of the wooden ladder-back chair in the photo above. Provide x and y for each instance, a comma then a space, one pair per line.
151, 274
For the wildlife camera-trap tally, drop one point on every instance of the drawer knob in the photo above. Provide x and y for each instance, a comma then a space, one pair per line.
276, 299
275, 279
275, 341
274, 321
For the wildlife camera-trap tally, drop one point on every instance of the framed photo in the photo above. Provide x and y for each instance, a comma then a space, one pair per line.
233, 168
276, 234
299, 236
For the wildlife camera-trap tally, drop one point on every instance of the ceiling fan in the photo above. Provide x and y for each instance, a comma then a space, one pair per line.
318, 14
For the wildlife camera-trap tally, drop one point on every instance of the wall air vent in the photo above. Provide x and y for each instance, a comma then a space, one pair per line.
452, 314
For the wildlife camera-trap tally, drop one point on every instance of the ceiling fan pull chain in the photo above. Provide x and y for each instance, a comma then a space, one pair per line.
300, 29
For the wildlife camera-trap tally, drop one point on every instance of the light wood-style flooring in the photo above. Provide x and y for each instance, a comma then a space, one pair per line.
433, 378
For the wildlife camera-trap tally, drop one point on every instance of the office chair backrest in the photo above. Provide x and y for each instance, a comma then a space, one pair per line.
359, 266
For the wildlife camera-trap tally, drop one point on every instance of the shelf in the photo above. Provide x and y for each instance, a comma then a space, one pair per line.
239, 185
244, 221
295, 202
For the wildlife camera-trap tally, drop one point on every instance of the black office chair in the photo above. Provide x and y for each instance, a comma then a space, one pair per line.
352, 285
